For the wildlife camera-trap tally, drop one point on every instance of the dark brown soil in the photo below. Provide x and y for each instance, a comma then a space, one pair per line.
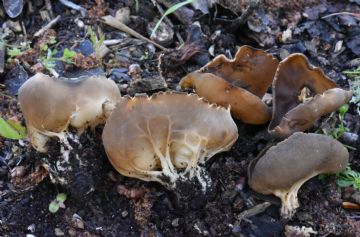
94, 206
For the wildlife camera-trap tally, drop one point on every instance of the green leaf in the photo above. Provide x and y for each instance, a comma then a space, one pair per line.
343, 109
12, 130
68, 54
169, 11
61, 197
13, 52
344, 183
93, 37
54, 206
52, 40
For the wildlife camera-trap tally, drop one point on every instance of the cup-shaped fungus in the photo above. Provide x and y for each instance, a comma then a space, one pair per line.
154, 138
240, 82
51, 105
284, 168
289, 113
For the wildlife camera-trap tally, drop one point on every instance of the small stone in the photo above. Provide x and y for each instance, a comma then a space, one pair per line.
119, 74
356, 197
338, 46
31, 228
148, 84
283, 53
286, 36
124, 214
175, 222
236, 229
77, 221
59, 232
135, 71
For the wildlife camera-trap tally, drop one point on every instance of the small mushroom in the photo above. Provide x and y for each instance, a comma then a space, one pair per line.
289, 113
154, 138
287, 166
241, 83
51, 105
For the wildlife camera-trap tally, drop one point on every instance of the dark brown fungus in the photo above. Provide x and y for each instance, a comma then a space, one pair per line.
289, 113
287, 166
240, 82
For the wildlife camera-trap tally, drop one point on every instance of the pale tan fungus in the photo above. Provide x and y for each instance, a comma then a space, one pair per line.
51, 105
284, 168
292, 111
165, 137
240, 83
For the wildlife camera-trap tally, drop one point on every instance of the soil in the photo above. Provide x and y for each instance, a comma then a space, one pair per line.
101, 202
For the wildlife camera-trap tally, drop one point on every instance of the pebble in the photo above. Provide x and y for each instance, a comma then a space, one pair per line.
124, 214
356, 197
175, 222
350, 138
59, 232
119, 74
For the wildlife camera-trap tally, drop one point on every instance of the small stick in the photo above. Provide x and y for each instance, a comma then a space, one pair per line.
74, 6
47, 26
112, 42
252, 211
2, 57
49, 8
342, 13
111, 21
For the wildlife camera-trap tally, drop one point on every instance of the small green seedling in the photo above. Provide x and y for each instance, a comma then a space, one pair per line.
96, 42
355, 87
349, 178
169, 11
12, 129
57, 203
137, 5
49, 61
341, 129
13, 52
45, 45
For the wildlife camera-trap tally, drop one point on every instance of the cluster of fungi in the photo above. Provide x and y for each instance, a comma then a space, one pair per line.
166, 137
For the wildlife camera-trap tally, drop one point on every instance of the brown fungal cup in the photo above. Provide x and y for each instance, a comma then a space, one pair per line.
50, 105
287, 166
240, 83
154, 138
291, 115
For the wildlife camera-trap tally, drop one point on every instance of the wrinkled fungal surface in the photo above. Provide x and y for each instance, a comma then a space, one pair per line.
304, 115
284, 168
240, 82
289, 113
51, 105
165, 137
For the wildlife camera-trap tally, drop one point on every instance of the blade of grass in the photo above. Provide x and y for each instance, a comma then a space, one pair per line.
170, 11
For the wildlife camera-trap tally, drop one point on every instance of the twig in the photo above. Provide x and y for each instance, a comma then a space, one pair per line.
112, 42
342, 13
252, 211
2, 57
74, 6
112, 21
49, 8
5, 95
47, 26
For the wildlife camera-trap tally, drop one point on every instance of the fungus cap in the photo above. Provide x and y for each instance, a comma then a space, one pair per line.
50, 105
240, 82
284, 168
291, 115
151, 138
